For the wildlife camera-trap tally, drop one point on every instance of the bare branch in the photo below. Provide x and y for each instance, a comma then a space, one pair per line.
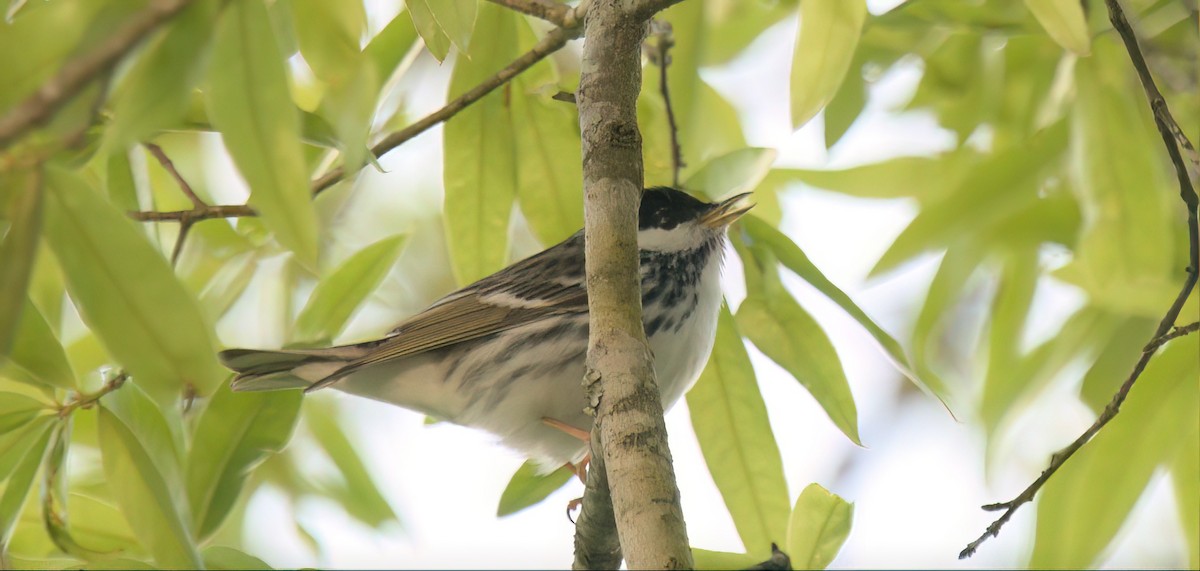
89, 400
1173, 139
167, 164
39, 107
665, 41
195, 214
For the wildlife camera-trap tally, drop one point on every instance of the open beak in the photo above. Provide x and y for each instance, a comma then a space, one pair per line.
725, 212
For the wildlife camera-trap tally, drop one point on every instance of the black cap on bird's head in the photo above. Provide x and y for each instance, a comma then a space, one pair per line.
665, 208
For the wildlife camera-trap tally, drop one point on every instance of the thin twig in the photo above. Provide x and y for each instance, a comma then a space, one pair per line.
1173, 139
195, 214
198, 205
547, 10
662, 31
39, 107
88, 400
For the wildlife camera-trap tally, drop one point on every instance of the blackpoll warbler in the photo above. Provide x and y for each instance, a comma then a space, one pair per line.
506, 353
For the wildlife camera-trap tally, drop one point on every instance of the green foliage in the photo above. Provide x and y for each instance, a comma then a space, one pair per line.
1055, 178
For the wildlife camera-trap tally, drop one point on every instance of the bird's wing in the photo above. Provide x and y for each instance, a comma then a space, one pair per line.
487, 307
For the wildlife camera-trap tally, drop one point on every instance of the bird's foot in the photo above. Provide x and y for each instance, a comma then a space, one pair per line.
570, 430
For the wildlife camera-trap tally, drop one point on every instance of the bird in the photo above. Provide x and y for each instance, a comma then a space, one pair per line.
506, 354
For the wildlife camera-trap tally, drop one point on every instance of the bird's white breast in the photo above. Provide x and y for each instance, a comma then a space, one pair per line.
680, 354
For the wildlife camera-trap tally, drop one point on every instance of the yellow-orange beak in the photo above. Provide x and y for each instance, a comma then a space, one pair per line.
726, 211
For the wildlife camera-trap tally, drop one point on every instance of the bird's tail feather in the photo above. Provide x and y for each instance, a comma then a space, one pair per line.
267, 370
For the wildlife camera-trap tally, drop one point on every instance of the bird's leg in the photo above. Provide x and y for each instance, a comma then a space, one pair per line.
580, 469
570, 430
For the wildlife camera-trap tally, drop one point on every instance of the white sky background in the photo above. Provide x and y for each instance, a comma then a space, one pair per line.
917, 486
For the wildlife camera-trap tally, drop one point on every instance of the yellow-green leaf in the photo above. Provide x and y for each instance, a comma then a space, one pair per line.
730, 420
37, 356
20, 481
1065, 21
249, 102
220, 557
21, 206
818, 527
705, 559
357, 491
127, 293
829, 32
338, 295
1185, 473
480, 171
528, 486
456, 18
431, 33
387, 49
16, 442
140, 491
732, 173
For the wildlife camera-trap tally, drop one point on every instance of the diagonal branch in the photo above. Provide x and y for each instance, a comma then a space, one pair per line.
558, 14
1173, 139
39, 107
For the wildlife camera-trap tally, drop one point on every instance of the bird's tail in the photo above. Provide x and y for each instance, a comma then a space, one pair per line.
267, 370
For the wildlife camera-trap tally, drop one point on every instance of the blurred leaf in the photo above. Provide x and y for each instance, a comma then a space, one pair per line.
794, 259
387, 49
15, 444
1004, 381
328, 33
143, 495
227, 285
924, 178
528, 487
732, 173
159, 433
715, 560
1072, 527
455, 18
37, 355
732, 25
480, 171
846, 104
116, 565
1065, 22
828, 35
730, 420
155, 93
21, 205
99, 524
818, 527
20, 481
954, 83
236, 432
16, 410
948, 286
359, 493
220, 557
431, 33
41, 54
339, 294
1115, 360
1185, 473
1000, 185
127, 293
250, 104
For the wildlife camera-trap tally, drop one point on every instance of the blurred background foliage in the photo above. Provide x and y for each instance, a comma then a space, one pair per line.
122, 447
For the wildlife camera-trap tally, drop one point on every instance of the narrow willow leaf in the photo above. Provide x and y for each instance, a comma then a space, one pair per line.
847, 103
730, 420
732, 173
794, 259
249, 102
1004, 380
221, 557
99, 525
234, 435
387, 49
1065, 21
480, 170
528, 487
1185, 473
37, 356
457, 19
715, 560
339, 294
143, 496
155, 93
227, 285
16, 443
818, 527
16, 410
431, 33
159, 433
328, 33
783, 331
1072, 527
21, 205
358, 491
829, 32
20, 482
922, 178
127, 293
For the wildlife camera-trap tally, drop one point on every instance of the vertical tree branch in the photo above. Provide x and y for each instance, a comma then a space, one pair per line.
666, 41
629, 429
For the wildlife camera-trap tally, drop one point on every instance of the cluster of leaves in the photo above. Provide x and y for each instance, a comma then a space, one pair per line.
1055, 150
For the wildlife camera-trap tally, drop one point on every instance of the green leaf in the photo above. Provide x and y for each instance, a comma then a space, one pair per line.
339, 294
143, 495
159, 433
16, 410
127, 293
528, 487
829, 32
783, 331
37, 356
1065, 21
21, 205
1072, 527
794, 259
1004, 380
1185, 473
234, 435
227, 285
15, 444
730, 420
328, 32
705, 559
917, 177
387, 49
456, 19
818, 527
220, 557
732, 173
20, 481
249, 102
847, 104
431, 33
480, 170
156, 92
358, 491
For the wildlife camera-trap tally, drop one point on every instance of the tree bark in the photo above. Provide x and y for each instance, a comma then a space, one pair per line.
629, 427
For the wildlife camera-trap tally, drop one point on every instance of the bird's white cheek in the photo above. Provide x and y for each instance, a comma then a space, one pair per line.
683, 237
